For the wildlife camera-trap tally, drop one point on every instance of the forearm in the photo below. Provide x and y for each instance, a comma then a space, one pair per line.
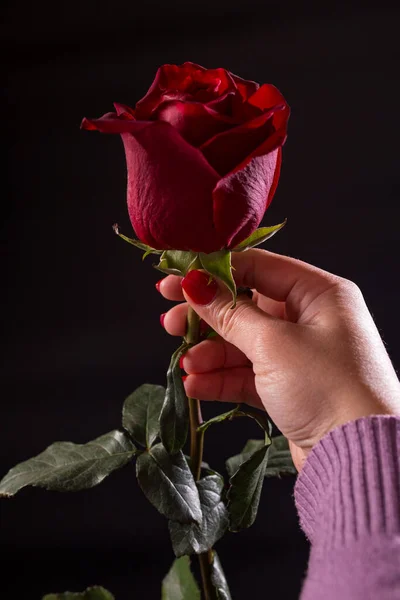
348, 499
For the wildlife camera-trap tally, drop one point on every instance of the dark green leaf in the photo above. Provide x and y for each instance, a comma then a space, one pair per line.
219, 418
218, 264
68, 467
196, 539
245, 491
280, 460
92, 593
260, 416
176, 262
258, 237
168, 484
218, 579
234, 462
141, 413
242, 410
179, 583
147, 249
174, 417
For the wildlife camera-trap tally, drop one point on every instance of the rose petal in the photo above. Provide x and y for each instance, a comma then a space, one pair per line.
228, 149
170, 187
123, 109
268, 96
223, 104
246, 87
195, 122
241, 198
179, 82
112, 123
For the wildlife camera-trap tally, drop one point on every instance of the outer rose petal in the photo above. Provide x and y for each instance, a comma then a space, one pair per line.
246, 87
123, 109
170, 188
111, 123
242, 197
268, 96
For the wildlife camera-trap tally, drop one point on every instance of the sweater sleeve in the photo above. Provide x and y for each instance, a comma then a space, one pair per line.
348, 499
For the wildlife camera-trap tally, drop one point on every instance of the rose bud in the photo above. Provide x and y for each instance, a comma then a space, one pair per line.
203, 152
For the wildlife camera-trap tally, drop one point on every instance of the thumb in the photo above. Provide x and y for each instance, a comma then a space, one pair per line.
241, 326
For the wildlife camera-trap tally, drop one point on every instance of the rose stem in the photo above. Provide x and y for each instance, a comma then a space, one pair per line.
196, 450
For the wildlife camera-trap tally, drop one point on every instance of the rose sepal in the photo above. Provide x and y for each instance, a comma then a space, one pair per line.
218, 264
258, 237
176, 262
147, 249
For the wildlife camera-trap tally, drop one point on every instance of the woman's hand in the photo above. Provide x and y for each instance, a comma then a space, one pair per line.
305, 347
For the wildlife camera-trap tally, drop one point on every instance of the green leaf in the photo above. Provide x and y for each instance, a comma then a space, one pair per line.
196, 539
280, 460
242, 410
260, 416
219, 419
174, 417
176, 262
168, 484
218, 579
218, 264
234, 462
245, 491
92, 593
68, 467
179, 583
147, 249
258, 237
141, 413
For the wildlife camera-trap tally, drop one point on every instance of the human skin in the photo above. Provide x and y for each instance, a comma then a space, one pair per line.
305, 348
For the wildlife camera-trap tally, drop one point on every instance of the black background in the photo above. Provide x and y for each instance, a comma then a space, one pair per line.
79, 308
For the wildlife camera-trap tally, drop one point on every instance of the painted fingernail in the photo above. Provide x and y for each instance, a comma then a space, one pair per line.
184, 377
158, 284
200, 287
162, 319
181, 361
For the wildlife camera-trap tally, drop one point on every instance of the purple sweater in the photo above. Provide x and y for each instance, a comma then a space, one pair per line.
348, 499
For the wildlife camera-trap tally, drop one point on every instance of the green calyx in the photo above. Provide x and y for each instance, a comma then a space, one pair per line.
217, 264
258, 237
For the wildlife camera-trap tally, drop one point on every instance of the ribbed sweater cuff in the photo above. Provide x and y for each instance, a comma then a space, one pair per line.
349, 486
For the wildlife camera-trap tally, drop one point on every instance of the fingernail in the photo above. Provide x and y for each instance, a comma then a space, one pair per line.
181, 361
184, 377
162, 319
200, 287
158, 284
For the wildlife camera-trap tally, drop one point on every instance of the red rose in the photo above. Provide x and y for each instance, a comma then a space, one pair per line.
203, 151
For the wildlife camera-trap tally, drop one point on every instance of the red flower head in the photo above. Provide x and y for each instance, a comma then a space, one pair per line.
203, 151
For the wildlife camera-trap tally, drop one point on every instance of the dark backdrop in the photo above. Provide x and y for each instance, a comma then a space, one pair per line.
79, 308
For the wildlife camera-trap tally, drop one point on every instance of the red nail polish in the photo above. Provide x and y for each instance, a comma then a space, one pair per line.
181, 361
162, 319
184, 377
201, 288
158, 284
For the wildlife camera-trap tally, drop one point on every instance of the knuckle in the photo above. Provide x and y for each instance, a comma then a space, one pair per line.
350, 289
231, 321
